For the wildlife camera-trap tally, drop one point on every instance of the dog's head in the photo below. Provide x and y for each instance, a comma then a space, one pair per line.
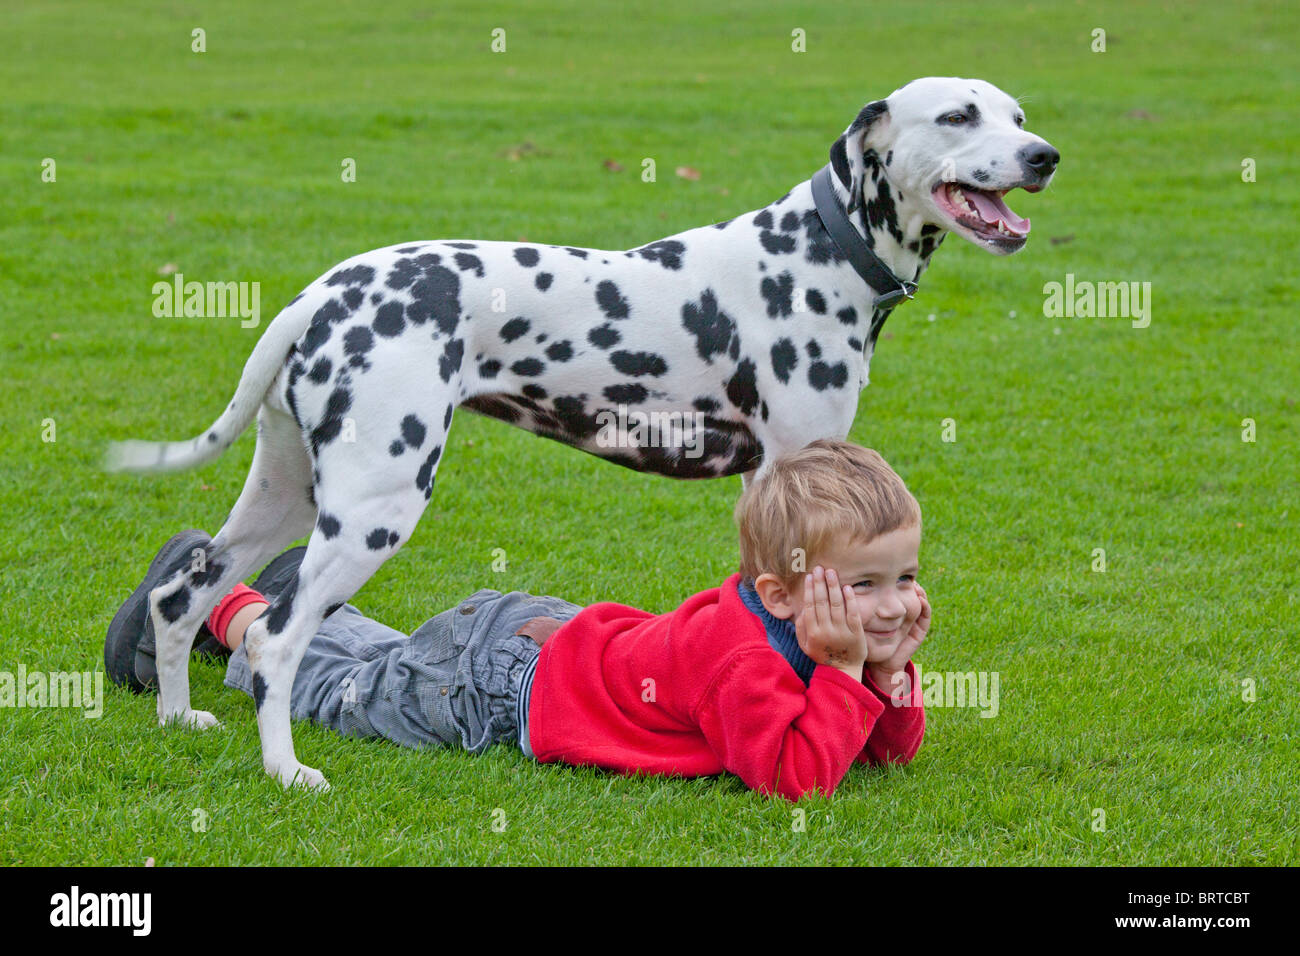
954, 147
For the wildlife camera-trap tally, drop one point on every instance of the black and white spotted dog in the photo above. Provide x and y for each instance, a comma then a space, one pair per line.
355, 383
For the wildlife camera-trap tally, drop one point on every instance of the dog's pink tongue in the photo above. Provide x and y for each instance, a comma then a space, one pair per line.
992, 209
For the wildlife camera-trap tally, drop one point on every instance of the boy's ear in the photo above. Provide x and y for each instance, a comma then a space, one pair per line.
774, 595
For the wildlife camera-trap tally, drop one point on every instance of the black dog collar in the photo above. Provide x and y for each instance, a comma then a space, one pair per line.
889, 289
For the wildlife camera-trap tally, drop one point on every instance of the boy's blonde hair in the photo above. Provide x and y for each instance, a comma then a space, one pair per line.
826, 491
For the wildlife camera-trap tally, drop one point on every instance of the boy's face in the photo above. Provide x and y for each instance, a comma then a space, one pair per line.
883, 575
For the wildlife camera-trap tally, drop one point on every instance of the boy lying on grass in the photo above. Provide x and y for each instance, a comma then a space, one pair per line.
781, 677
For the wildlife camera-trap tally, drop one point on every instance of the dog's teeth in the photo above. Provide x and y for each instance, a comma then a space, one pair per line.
958, 197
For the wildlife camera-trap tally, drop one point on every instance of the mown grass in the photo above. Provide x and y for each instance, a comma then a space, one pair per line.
1121, 691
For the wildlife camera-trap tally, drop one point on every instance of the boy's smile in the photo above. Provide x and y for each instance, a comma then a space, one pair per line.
882, 573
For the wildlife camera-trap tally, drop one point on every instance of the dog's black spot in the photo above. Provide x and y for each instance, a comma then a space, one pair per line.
489, 368
604, 336
353, 297
855, 344
515, 328
336, 405
713, 329
534, 391
409, 249
320, 371
763, 410
389, 321
611, 300
461, 245
629, 393
377, 539
212, 437
393, 538
424, 477
847, 315
814, 349
493, 407
357, 275
790, 221
764, 220
413, 431
779, 293
820, 248
446, 419
402, 274
815, 301
559, 351
638, 363
880, 210
452, 355
396, 448
321, 324
981, 175
571, 411
211, 573
706, 405
580, 253
822, 376
528, 367
329, 525
543, 281
376, 298
784, 359
437, 297
468, 263
527, 257
259, 690
358, 341
667, 252
541, 337
277, 616
742, 388
889, 157
777, 243
175, 604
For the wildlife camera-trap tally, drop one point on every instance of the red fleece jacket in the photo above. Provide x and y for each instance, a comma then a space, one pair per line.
699, 691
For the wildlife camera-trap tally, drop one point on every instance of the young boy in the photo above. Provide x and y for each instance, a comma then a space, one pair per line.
792, 670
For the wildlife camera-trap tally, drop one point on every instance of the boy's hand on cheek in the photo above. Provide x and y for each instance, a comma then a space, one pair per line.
828, 627
890, 675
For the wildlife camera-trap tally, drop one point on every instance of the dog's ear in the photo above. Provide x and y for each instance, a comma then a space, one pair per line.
847, 151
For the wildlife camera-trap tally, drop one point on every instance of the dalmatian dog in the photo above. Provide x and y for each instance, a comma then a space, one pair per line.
757, 330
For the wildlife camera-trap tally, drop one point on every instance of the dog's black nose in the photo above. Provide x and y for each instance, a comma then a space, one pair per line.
1041, 158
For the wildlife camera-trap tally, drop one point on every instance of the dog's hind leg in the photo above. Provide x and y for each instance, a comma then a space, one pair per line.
355, 534
274, 508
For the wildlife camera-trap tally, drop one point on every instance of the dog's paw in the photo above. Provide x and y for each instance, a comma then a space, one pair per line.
298, 775
193, 719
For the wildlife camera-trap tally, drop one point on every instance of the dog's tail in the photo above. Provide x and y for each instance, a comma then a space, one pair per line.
259, 372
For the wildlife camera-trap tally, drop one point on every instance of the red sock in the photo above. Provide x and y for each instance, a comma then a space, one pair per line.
239, 598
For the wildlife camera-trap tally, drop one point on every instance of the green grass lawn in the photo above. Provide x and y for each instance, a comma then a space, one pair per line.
1122, 691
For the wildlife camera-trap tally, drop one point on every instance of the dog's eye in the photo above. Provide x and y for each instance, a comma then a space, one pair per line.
953, 119
1020, 121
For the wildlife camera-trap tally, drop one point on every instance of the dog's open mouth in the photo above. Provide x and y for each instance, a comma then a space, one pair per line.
982, 211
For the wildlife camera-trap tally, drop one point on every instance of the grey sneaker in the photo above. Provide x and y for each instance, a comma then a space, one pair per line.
129, 643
